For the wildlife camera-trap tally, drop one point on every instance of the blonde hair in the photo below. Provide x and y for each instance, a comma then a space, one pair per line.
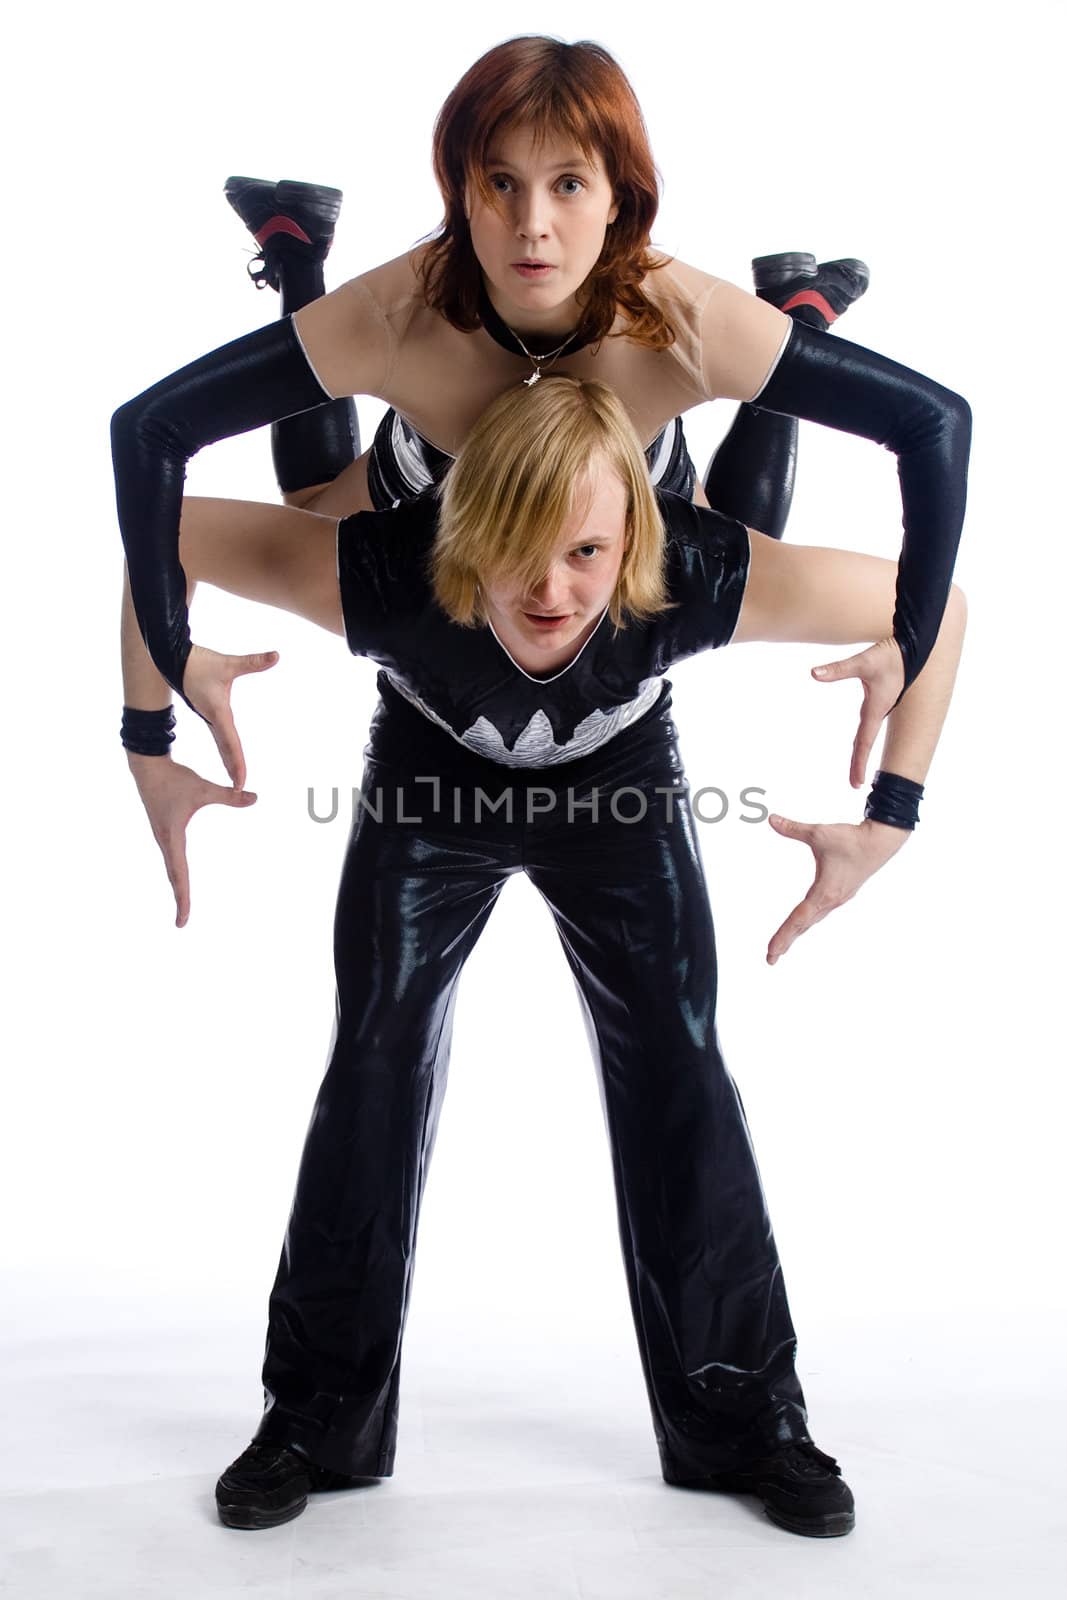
516, 481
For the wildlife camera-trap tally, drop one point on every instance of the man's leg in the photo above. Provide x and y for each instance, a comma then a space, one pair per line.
410, 908
709, 1304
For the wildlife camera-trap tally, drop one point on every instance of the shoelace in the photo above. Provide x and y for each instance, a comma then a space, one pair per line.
262, 277
807, 1458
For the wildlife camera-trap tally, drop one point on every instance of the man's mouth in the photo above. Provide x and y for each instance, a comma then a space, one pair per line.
547, 621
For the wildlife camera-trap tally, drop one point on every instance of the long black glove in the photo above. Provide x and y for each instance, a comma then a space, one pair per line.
243, 385
823, 378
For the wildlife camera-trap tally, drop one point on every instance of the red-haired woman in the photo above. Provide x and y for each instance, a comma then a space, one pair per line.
543, 262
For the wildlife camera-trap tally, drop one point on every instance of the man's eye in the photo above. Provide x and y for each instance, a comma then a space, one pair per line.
587, 551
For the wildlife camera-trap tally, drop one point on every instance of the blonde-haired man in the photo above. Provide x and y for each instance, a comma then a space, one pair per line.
523, 626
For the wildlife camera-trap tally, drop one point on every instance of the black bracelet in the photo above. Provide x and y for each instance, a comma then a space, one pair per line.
147, 733
894, 800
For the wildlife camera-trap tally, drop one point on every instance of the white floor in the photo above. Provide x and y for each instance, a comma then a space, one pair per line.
539, 1481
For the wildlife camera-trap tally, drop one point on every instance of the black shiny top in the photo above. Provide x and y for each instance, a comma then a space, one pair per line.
466, 681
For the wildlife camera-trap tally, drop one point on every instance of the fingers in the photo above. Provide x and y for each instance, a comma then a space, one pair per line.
177, 865
233, 757
802, 917
803, 831
254, 663
229, 797
820, 899
832, 671
805, 914
223, 726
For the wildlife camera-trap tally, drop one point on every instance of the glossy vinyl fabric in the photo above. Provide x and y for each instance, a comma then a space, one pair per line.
752, 473
823, 378
630, 905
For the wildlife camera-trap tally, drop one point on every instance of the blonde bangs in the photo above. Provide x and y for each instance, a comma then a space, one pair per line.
518, 479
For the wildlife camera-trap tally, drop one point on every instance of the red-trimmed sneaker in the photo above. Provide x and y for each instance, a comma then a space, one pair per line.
277, 215
818, 291
801, 1488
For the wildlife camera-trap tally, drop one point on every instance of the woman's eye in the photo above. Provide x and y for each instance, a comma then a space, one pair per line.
499, 183
576, 183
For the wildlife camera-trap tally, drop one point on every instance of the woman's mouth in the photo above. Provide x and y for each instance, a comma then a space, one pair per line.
533, 269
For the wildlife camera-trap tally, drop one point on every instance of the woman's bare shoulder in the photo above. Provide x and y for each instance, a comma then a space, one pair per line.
726, 337
393, 284
351, 335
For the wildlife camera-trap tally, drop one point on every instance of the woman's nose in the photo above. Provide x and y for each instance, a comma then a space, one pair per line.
530, 222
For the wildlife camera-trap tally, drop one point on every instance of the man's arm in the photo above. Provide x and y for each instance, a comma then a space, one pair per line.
804, 595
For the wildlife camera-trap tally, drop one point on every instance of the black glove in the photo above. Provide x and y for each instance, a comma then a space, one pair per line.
823, 378
246, 384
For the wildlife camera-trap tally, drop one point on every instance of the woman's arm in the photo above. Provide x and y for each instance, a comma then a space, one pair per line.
274, 554
807, 595
255, 380
821, 377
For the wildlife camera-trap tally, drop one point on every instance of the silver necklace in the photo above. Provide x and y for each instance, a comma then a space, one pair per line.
538, 361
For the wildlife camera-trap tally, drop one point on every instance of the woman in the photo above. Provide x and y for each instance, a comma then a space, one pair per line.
549, 192
524, 726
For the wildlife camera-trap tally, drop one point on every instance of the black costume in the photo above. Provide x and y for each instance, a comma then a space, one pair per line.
576, 780
266, 375
622, 876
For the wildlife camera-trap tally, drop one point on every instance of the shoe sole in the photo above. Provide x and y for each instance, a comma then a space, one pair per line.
255, 1517
786, 264
831, 1526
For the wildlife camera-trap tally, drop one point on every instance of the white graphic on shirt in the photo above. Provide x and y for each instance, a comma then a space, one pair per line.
536, 745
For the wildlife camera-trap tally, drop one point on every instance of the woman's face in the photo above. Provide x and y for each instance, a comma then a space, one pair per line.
542, 236
545, 626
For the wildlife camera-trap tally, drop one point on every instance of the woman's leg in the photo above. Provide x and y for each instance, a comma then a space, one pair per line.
752, 474
293, 225
709, 1305
413, 900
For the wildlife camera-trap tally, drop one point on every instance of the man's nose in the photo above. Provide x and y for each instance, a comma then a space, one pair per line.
548, 594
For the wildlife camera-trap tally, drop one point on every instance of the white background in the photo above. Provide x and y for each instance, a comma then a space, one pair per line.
901, 1067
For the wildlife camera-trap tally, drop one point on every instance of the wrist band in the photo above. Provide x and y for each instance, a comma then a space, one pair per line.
894, 800
147, 733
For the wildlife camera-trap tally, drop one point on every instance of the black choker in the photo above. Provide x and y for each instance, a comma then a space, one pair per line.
498, 330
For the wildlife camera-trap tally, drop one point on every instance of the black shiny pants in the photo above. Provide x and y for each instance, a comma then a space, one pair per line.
623, 879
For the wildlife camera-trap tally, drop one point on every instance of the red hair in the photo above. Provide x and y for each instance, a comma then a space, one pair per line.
576, 90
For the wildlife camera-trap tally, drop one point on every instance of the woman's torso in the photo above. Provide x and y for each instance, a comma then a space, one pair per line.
378, 336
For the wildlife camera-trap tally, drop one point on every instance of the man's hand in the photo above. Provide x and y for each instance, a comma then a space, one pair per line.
206, 684
846, 855
881, 671
171, 794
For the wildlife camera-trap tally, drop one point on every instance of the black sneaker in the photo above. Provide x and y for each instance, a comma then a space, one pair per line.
815, 292
801, 1488
284, 215
265, 1486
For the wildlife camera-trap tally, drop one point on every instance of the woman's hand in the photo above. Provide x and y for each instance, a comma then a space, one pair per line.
171, 794
846, 855
881, 671
206, 685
